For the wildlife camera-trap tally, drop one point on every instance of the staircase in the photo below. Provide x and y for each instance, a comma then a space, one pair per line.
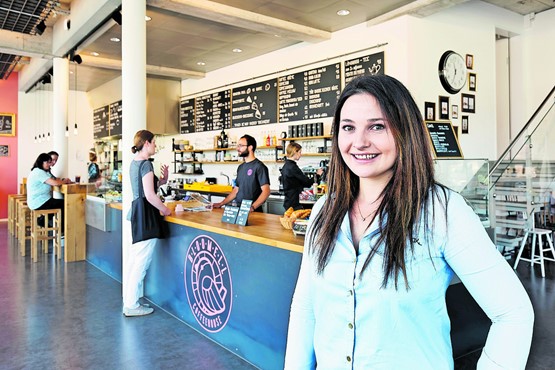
522, 180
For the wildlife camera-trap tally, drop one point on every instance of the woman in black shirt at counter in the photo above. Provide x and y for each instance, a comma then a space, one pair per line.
294, 180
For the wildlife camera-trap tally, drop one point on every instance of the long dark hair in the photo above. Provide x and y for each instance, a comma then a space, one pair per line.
43, 157
405, 198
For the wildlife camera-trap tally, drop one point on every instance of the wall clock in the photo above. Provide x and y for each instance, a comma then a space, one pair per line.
452, 71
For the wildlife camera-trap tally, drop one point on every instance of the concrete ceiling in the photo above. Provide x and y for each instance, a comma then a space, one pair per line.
187, 38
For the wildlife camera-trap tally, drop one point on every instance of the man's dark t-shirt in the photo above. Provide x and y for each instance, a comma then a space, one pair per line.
250, 177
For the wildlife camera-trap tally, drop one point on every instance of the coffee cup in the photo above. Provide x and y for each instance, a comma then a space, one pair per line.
77, 179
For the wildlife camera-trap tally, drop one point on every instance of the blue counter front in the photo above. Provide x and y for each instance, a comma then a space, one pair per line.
236, 292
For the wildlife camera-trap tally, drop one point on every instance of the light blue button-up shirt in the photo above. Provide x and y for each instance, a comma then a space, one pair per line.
344, 320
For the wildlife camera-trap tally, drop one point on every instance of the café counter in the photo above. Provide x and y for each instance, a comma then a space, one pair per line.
234, 284
231, 283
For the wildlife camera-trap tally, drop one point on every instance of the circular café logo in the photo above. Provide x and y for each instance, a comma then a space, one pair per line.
208, 283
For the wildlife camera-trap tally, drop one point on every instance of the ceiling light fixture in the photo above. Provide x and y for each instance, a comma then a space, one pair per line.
95, 54
237, 50
147, 18
201, 63
343, 12
115, 39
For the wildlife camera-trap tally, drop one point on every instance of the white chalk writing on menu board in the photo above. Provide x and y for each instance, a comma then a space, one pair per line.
309, 94
367, 65
444, 141
213, 111
116, 118
254, 104
100, 122
187, 116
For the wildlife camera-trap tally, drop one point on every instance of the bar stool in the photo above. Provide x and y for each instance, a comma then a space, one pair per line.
12, 211
40, 233
23, 224
537, 234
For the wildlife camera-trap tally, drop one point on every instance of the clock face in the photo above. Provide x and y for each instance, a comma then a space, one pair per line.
452, 71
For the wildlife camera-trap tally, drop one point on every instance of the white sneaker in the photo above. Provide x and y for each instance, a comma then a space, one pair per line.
139, 311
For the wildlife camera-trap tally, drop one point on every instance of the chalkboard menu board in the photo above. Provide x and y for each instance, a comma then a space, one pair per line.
212, 111
309, 94
368, 65
116, 110
443, 140
254, 104
187, 116
100, 122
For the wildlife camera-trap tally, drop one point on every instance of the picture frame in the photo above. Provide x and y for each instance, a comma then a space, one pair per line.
7, 124
429, 111
4, 150
472, 81
443, 110
464, 124
454, 111
468, 103
469, 61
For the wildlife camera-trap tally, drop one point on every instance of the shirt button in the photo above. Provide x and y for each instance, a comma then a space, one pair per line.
348, 358
350, 326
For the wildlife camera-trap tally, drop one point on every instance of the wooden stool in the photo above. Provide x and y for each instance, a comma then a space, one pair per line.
537, 234
23, 224
12, 211
40, 233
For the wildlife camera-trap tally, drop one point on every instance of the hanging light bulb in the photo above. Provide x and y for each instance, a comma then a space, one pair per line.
35, 139
75, 129
67, 131
48, 138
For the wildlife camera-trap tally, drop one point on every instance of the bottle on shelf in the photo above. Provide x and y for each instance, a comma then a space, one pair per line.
268, 140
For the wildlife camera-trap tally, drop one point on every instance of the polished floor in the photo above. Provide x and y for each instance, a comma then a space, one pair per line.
68, 316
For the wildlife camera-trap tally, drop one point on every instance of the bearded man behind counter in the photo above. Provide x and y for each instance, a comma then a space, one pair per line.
253, 180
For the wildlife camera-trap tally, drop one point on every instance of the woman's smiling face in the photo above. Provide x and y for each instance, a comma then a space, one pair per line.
365, 140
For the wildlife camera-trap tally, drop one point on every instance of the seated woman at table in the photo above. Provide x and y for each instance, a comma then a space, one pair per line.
39, 186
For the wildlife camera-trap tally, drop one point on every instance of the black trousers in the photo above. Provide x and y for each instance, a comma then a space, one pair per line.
54, 204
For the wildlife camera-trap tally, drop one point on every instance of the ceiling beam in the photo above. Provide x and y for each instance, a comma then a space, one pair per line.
229, 15
17, 43
115, 64
419, 8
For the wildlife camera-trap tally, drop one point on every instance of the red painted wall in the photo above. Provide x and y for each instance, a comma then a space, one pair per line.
8, 165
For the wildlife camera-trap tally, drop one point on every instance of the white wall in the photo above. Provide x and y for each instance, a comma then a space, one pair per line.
35, 117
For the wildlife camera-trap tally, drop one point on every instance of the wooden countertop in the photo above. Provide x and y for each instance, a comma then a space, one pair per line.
263, 228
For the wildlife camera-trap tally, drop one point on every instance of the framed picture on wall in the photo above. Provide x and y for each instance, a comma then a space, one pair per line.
4, 150
464, 124
454, 111
472, 81
429, 111
7, 124
443, 107
469, 61
468, 103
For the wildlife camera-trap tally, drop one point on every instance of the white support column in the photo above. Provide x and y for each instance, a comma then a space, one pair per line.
133, 79
59, 115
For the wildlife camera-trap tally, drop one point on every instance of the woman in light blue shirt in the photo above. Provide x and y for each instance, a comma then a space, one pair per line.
382, 248
39, 186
